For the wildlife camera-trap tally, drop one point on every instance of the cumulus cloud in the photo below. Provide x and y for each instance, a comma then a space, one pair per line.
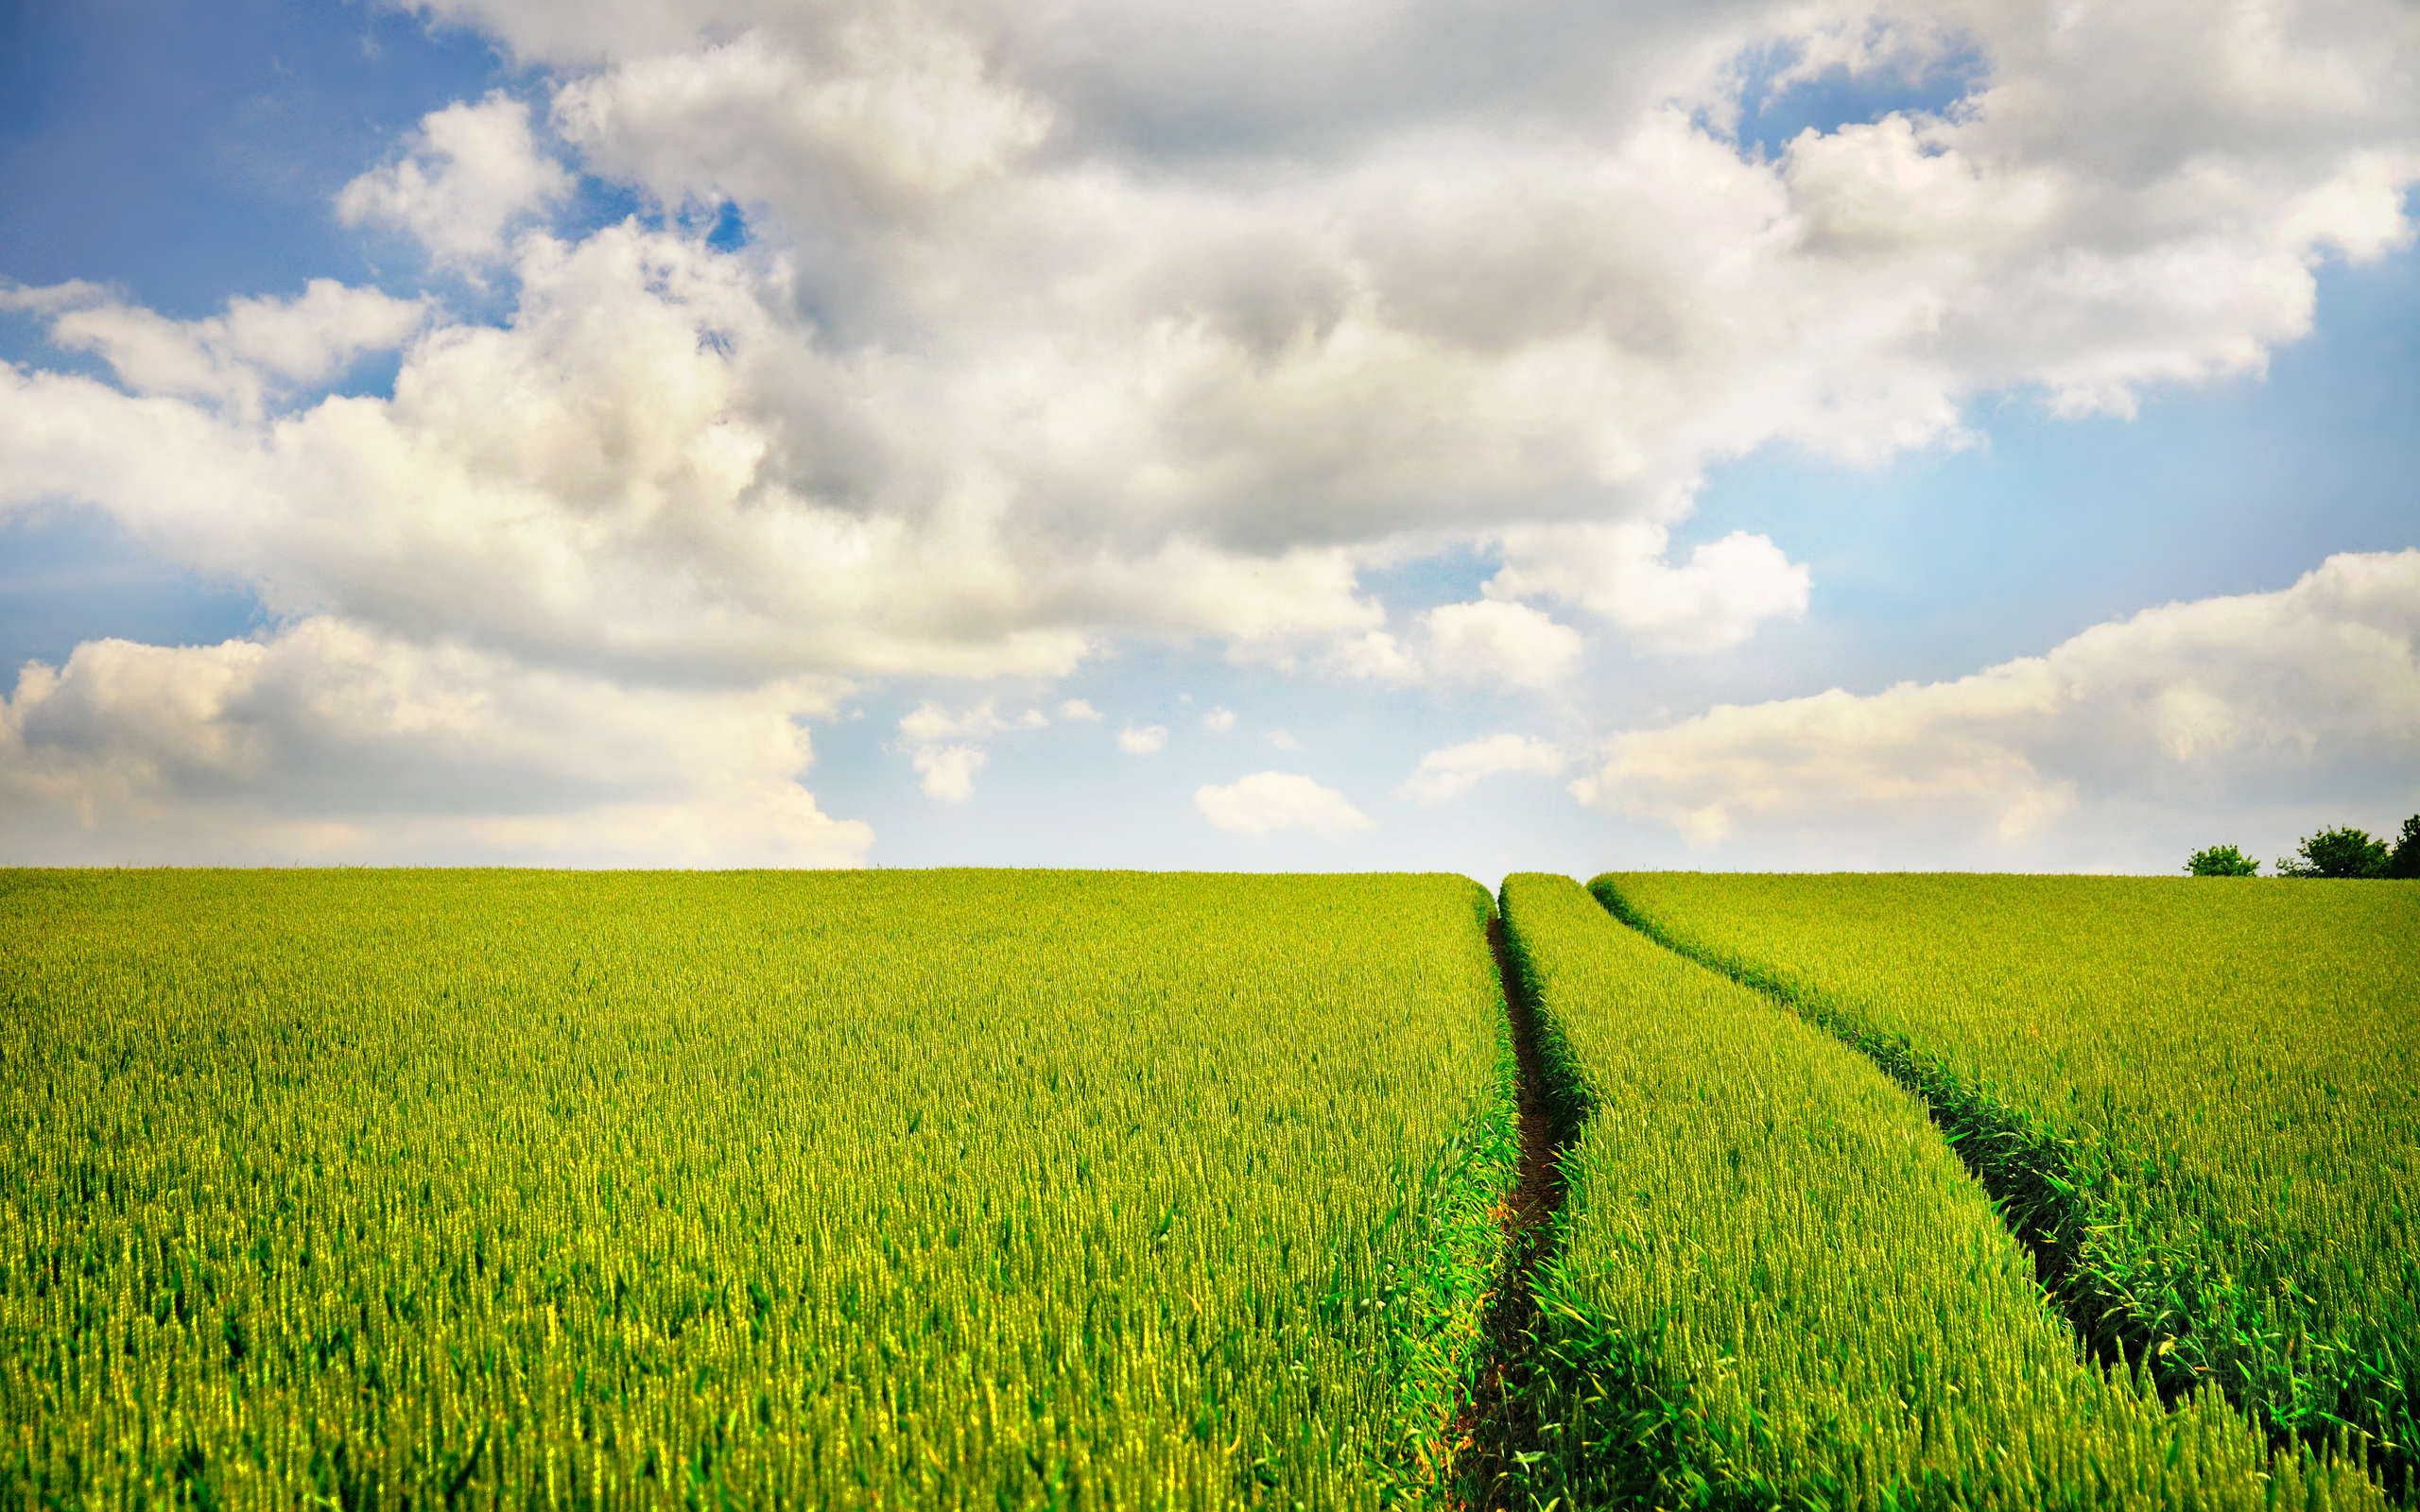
947, 772
645, 472
1016, 366
330, 742
929, 724
1219, 720
889, 113
257, 348
1455, 770
945, 749
1147, 740
1268, 801
2255, 698
1079, 711
1063, 325
1713, 601
1490, 641
1497, 641
469, 174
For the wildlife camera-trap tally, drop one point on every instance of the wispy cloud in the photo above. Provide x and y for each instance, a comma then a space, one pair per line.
1266, 802
1455, 770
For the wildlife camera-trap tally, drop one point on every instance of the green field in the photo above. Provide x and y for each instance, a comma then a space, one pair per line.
2205, 1095
1119, 1190
882, 1190
1778, 1287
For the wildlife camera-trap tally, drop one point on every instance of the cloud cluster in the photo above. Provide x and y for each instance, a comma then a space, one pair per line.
1043, 341
1266, 802
1712, 602
330, 742
1455, 770
466, 177
2250, 700
260, 347
1066, 324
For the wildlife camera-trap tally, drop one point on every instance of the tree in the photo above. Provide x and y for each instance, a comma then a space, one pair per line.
2221, 861
2339, 852
2404, 860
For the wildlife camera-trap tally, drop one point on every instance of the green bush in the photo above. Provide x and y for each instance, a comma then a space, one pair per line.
2344, 852
2404, 860
2221, 861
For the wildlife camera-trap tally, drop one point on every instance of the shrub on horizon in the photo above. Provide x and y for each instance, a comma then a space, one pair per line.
2344, 852
2221, 861
2404, 860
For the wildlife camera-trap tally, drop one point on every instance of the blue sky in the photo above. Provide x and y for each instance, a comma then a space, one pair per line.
734, 435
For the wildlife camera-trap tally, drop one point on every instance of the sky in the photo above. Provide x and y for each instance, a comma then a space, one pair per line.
1376, 434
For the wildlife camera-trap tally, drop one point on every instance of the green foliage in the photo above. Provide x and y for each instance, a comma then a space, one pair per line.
2344, 852
2204, 1101
2221, 861
1777, 1286
2403, 863
908, 1190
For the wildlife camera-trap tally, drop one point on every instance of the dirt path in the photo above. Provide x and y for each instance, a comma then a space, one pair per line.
1502, 1422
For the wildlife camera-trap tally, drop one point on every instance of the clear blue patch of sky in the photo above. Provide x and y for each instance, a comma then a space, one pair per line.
70, 573
188, 149
1453, 574
729, 232
1770, 118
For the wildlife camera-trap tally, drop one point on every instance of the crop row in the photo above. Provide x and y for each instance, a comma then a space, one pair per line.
1777, 1285
2203, 1100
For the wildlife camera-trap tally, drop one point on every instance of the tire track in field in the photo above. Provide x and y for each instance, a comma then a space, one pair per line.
2037, 1194
2026, 1175
1500, 1425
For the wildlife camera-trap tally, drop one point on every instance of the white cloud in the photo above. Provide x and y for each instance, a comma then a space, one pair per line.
1011, 370
1147, 740
887, 112
1377, 655
948, 771
2258, 698
1492, 641
1283, 740
1455, 770
1067, 324
49, 298
258, 346
1078, 711
620, 479
1716, 601
330, 742
928, 723
1219, 720
469, 174
944, 748
1268, 802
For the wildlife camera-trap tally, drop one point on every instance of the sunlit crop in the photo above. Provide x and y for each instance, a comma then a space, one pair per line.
1778, 1286
2206, 1098
877, 1190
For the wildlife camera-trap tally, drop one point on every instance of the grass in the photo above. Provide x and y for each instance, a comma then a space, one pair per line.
1778, 1286
864, 1190
2202, 1098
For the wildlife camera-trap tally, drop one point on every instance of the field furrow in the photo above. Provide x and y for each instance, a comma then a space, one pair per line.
2202, 1099
1777, 1285
1499, 1431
